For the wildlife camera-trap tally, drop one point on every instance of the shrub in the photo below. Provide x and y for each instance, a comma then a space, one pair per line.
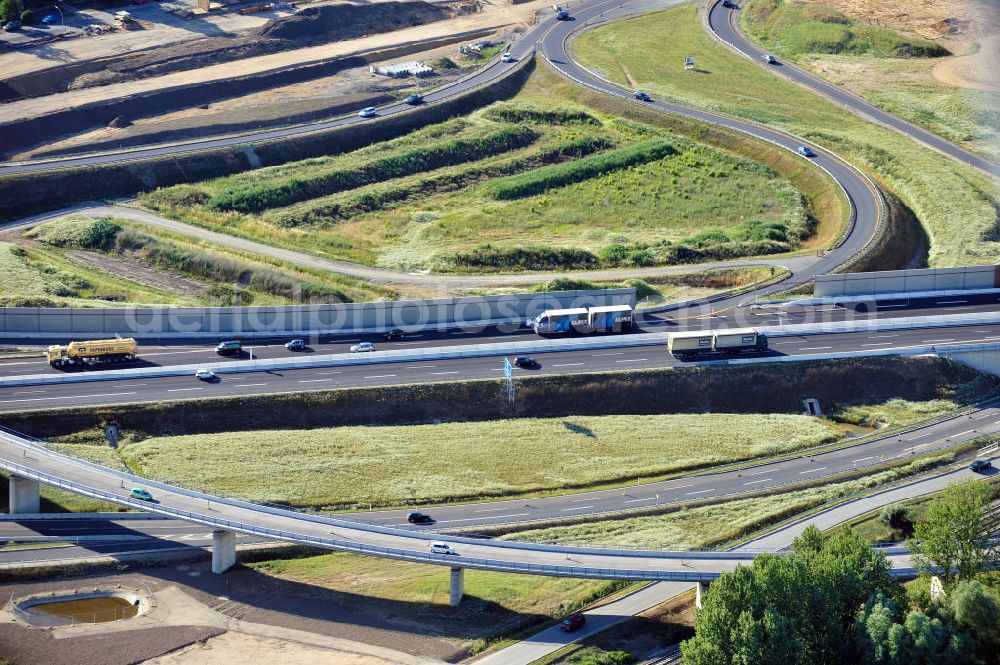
78, 232
897, 517
27, 17
560, 175
526, 258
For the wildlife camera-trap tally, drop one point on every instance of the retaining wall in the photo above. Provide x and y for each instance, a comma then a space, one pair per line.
897, 281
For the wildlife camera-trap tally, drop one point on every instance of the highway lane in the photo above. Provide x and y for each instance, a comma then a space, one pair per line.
760, 476
151, 389
723, 21
20, 456
707, 317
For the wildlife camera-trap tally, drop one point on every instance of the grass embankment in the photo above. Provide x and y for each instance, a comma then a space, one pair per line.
123, 257
956, 204
350, 466
708, 526
893, 412
514, 186
655, 290
892, 71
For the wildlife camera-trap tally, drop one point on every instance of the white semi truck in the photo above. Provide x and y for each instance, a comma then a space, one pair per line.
720, 342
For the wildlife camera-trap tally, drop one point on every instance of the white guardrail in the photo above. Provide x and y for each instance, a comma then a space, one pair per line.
520, 348
360, 548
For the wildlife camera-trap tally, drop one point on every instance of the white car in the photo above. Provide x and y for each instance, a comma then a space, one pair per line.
368, 112
362, 347
506, 57
769, 59
204, 374
443, 548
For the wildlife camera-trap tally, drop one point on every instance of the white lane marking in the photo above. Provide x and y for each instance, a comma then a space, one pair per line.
129, 385
931, 341
421, 367
815, 348
968, 431
338, 372
812, 470
881, 336
29, 392
567, 365
680, 487
760, 473
889, 306
878, 344
40, 399
862, 459
480, 518
490, 510
699, 492
620, 353
379, 376
951, 302
648, 498
182, 390
313, 380
566, 510
441, 373
248, 385
634, 360
464, 332
915, 447
914, 438
754, 482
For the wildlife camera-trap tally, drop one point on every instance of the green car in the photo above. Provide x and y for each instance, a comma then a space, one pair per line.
139, 493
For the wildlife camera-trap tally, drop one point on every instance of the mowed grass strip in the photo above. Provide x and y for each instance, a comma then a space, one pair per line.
559, 175
348, 466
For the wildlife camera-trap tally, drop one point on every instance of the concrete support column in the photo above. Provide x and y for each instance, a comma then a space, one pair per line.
457, 586
223, 551
699, 591
24, 498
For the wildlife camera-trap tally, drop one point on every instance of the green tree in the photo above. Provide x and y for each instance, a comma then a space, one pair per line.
954, 536
798, 609
10, 10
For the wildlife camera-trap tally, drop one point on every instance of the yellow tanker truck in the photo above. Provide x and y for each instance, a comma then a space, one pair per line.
93, 352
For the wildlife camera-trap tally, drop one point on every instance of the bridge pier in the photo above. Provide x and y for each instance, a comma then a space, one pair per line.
24, 499
223, 551
457, 586
699, 591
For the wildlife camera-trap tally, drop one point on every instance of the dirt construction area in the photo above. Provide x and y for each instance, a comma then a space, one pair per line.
240, 617
297, 68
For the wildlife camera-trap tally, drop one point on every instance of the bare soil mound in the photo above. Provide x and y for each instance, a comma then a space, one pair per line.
978, 71
928, 18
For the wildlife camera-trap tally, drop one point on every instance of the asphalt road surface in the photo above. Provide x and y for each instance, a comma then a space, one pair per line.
707, 317
151, 389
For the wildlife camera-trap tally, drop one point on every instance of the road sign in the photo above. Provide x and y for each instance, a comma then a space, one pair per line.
508, 373
508, 369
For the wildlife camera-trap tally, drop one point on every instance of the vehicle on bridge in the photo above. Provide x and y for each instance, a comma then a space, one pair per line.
723, 342
583, 320
93, 352
141, 494
573, 622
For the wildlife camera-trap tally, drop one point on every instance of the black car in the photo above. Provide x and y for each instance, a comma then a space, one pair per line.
642, 96
295, 345
419, 518
395, 333
526, 361
414, 99
981, 465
